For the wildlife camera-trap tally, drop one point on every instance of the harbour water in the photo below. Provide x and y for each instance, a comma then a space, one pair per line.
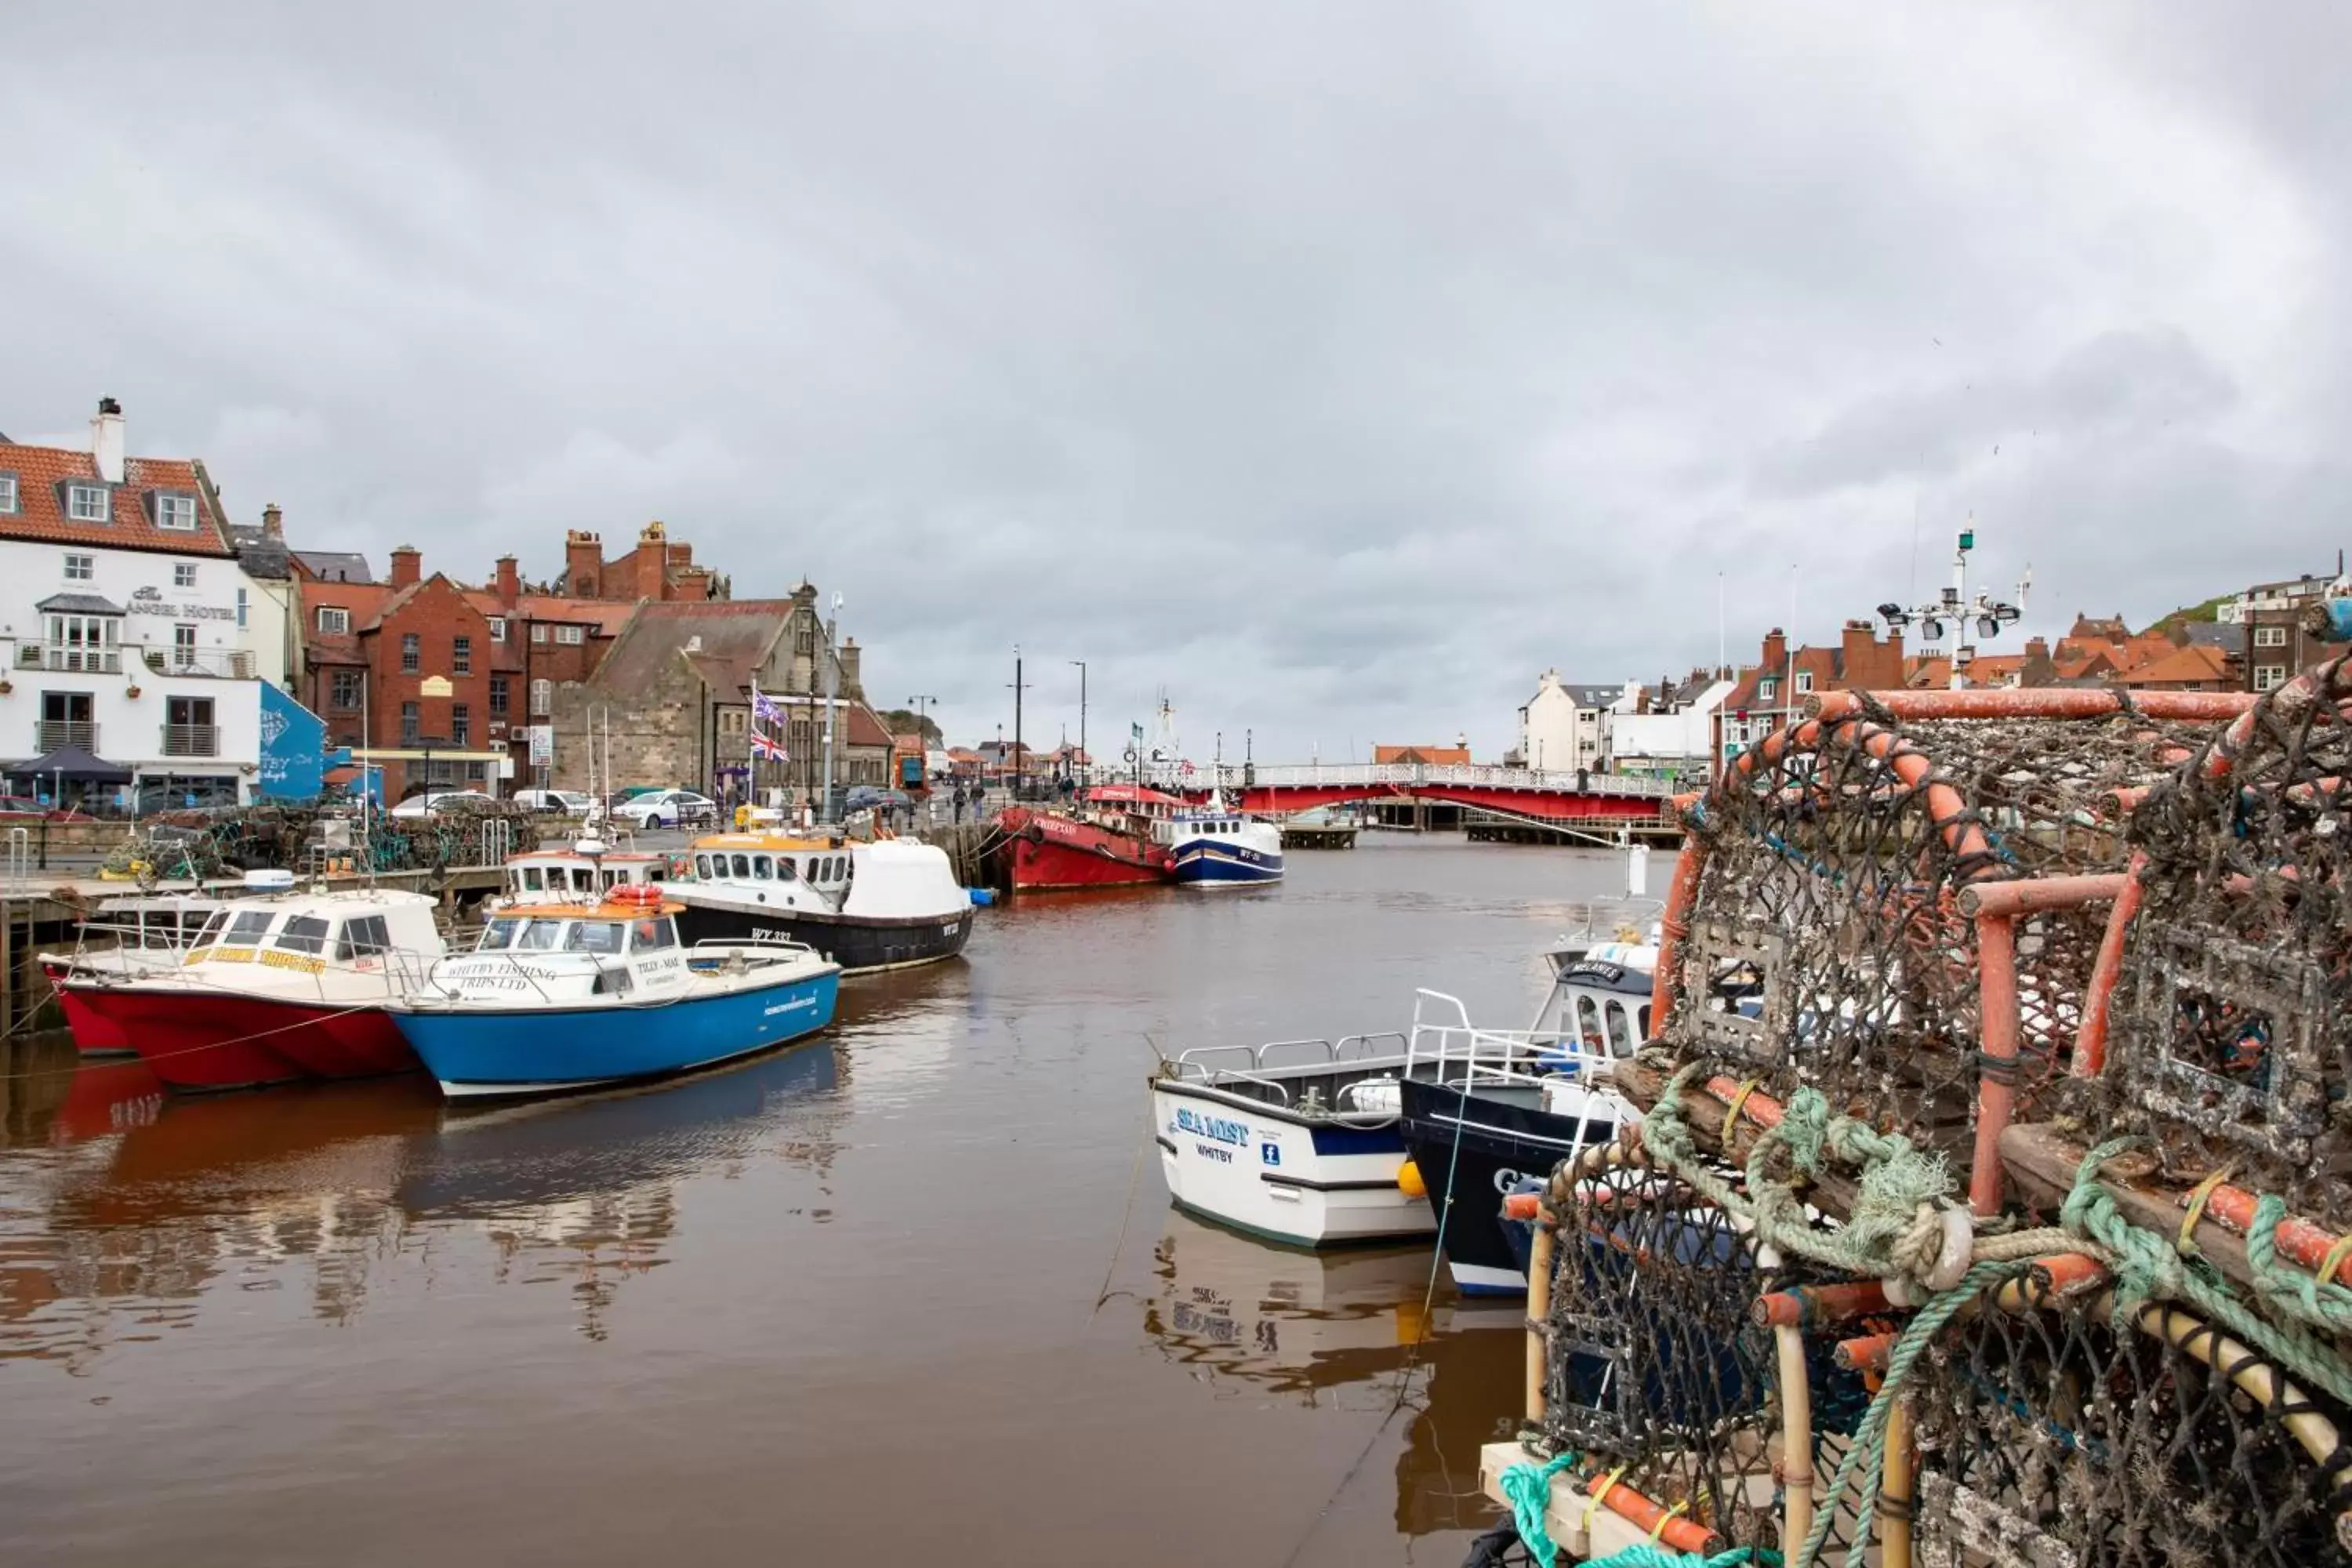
913, 1289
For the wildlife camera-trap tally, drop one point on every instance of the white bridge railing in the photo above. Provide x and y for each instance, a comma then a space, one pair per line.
1410, 774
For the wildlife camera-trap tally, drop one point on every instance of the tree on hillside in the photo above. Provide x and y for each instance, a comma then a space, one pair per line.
904, 722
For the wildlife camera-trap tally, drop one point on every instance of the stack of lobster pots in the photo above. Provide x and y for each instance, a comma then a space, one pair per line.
1989, 1203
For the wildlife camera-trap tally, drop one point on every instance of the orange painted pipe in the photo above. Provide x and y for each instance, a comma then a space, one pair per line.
2033, 895
1803, 1306
1762, 1108
1675, 1530
2098, 996
2063, 1274
1673, 926
2039, 702
1996, 1087
2299, 1239
1866, 1353
1522, 1206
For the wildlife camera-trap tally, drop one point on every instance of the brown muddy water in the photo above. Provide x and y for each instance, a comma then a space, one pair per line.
838, 1305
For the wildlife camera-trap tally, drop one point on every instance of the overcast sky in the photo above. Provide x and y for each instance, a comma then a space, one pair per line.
1338, 368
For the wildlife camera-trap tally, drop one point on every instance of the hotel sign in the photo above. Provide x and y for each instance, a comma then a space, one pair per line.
151, 602
435, 686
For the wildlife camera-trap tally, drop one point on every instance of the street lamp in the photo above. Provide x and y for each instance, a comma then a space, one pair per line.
1954, 606
1089, 763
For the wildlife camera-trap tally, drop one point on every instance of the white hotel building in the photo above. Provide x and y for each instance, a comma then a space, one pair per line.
128, 629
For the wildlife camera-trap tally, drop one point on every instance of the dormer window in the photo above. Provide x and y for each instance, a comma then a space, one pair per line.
570, 634
497, 628
7, 494
1804, 680
334, 620
1766, 690
88, 503
177, 512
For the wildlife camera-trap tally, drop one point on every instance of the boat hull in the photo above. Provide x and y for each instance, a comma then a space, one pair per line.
1048, 853
1477, 1149
94, 1033
1212, 865
857, 945
1279, 1177
217, 1040
479, 1053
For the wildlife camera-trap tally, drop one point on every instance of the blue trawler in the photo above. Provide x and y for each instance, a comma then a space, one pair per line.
567, 996
1212, 847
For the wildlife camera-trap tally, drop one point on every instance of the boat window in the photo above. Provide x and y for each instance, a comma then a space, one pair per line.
214, 926
743, 867
497, 936
762, 867
303, 933
657, 872
594, 936
584, 881
613, 981
1620, 1030
249, 927
1588, 1024
785, 869
702, 866
363, 936
540, 936
652, 933
840, 866
1645, 1020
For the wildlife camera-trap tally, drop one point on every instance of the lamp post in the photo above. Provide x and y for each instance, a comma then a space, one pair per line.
1954, 605
832, 685
1089, 763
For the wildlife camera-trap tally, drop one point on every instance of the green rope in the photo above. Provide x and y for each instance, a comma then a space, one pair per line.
2149, 1268
2322, 1302
1528, 1488
1866, 1451
1650, 1554
1883, 1236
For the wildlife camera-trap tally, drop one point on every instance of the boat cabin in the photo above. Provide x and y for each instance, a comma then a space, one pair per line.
625, 944
1121, 804
580, 874
764, 860
1182, 827
1600, 1001
358, 932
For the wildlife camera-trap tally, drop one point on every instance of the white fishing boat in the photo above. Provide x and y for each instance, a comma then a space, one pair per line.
564, 996
134, 936
1297, 1141
883, 903
1212, 847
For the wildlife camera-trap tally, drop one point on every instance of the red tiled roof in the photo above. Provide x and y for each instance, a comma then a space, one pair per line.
41, 474
608, 615
862, 727
363, 604
2184, 666
1431, 756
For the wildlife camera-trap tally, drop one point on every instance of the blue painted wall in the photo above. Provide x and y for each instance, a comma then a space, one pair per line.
293, 748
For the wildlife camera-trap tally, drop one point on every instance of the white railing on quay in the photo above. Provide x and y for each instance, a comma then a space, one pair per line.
1344, 775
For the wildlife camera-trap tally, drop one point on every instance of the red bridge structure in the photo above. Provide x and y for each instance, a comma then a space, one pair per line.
1604, 805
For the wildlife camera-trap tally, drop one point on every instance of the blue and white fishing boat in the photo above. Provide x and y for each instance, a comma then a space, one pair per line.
561, 996
1214, 847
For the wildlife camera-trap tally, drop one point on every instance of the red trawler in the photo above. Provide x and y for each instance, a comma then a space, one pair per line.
1105, 843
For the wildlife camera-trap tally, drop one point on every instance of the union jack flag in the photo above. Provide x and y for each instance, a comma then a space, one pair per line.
770, 747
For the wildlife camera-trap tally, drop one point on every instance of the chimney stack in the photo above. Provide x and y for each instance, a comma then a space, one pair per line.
407, 566
583, 563
693, 585
273, 522
1776, 651
848, 656
509, 581
106, 441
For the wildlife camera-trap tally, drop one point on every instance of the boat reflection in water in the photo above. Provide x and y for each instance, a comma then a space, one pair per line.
1349, 1329
141, 1210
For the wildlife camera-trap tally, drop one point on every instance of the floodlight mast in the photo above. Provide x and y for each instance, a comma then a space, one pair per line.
1987, 615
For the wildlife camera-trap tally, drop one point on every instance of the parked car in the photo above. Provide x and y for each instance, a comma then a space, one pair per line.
666, 808
571, 803
436, 802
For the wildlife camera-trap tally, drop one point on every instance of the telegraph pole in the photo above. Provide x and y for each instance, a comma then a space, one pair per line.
1018, 686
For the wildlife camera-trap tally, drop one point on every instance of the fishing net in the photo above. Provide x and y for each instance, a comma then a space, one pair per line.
2076, 1434
1829, 944
2231, 1032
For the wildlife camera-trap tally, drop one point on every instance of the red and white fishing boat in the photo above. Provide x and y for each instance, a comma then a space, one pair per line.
1108, 841
129, 936
275, 988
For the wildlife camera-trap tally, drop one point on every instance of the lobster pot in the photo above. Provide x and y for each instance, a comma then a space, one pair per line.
2230, 1034
1829, 940
1653, 1361
2055, 1437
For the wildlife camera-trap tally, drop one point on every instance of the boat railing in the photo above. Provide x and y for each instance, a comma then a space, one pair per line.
1265, 1066
1454, 1051
771, 945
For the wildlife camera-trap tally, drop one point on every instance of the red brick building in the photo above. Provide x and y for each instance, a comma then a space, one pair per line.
1775, 688
423, 665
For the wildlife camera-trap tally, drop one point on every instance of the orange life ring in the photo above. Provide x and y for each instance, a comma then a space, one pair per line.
636, 894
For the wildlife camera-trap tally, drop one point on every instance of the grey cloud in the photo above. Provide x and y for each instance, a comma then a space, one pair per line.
1335, 369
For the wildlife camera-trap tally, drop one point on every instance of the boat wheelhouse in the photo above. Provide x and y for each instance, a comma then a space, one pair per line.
885, 903
1109, 839
557, 997
1297, 1142
1212, 847
276, 988
586, 870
